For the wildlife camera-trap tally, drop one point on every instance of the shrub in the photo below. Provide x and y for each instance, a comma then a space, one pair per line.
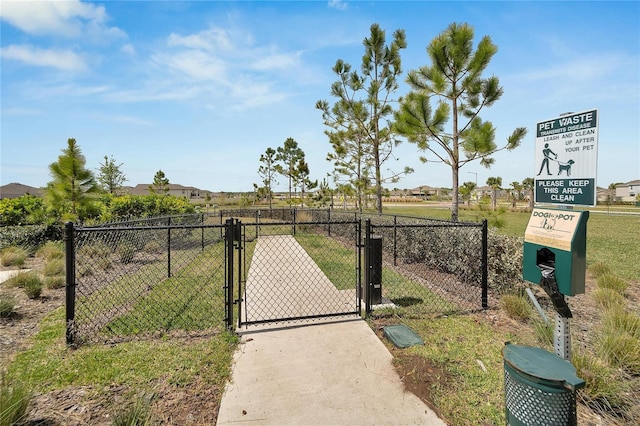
599, 269
620, 339
29, 236
14, 401
94, 250
7, 303
51, 250
21, 210
613, 282
126, 251
607, 298
13, 256
22, 279
54, 267
619, 320
33, 288
55, 282
135, 414
516, 307
153, 247
543, 333
603, 388
504, 261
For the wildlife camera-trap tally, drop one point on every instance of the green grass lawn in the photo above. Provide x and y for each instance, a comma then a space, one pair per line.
611, 238
137, 367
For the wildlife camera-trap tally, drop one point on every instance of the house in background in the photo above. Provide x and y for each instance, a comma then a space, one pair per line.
16, 190
176, 190
628, 191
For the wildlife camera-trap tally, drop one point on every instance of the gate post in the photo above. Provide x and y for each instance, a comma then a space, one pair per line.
367, 267
169, 247
485, 266
228, 242
240, 240
70, 287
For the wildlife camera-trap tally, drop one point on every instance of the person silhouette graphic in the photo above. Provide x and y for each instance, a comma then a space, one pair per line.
547, 155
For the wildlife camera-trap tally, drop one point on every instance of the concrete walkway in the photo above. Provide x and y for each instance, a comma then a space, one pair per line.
332, 372
284, 282
5, 275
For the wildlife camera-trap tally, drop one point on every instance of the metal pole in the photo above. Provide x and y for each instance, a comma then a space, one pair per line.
70, 287
562, 336
294, 222
485, 266
395, 234
368, 265
562, 332
229, 237
239, 247
169, 248
359, 266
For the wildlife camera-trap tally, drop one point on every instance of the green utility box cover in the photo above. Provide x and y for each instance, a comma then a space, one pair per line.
402, 336
564, 234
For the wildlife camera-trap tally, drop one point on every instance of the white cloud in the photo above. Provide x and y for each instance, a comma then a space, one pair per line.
64, 60
213, 39
338, 4
222, 64
192, 63
69, 18
277, 61
128, 49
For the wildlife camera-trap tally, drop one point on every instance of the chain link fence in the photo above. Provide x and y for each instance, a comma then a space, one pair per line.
157, 276
167, 275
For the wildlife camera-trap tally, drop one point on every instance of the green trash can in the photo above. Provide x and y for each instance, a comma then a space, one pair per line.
540, 387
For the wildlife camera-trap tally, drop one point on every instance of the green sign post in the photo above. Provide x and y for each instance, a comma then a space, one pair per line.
566, 154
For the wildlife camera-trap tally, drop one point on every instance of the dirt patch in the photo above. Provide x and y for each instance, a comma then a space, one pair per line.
16, 330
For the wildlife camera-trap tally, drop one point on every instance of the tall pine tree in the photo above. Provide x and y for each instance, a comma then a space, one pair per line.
70, 193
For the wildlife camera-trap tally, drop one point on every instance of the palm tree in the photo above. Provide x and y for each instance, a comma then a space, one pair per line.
466, 190
528, 184
516, 194
495, 183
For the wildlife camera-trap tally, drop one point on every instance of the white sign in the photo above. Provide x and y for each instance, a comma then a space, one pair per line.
566, 159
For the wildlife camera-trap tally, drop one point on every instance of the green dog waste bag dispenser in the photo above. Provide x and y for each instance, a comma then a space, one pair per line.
555, 244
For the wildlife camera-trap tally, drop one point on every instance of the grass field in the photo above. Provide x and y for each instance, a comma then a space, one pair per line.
611, 238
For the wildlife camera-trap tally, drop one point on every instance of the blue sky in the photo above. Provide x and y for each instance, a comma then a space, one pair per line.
201, 89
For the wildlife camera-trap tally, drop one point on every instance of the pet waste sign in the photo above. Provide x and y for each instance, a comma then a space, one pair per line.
566, 159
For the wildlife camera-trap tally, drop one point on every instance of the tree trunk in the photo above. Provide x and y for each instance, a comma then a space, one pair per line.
455, 195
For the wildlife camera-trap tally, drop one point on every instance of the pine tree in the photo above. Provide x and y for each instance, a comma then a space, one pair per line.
70, 192
360, 121
454, 79
110, 176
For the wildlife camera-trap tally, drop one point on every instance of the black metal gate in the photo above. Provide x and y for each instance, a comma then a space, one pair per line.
277, 272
